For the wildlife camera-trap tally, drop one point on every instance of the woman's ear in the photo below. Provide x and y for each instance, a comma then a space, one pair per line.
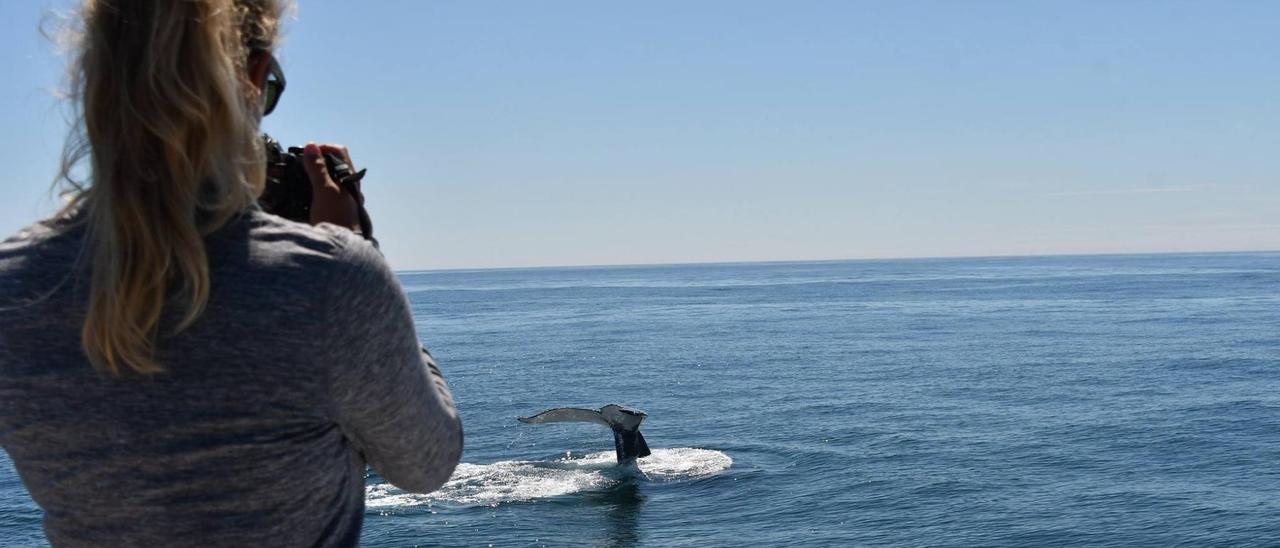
259, 64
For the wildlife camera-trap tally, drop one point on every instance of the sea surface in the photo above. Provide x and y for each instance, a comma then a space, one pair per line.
1099, 401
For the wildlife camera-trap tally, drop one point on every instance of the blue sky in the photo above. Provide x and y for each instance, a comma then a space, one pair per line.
585, 132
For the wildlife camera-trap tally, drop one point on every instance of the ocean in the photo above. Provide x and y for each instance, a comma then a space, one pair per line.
1085, 400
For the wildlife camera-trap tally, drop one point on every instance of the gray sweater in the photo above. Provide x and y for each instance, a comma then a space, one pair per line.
305, 366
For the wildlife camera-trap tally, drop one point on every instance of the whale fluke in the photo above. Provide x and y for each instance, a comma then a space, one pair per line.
566, 414
625, 423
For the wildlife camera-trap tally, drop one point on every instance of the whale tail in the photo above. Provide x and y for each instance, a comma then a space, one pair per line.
625, 423
630, 445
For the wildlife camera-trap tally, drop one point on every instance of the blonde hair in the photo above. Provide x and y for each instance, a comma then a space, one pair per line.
168, 121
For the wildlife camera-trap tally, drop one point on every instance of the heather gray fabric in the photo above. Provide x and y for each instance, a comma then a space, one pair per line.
305, 365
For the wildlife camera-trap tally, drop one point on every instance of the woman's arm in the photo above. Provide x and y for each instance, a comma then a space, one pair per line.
389, 397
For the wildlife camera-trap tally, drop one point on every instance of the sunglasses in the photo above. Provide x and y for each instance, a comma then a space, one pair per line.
274, 88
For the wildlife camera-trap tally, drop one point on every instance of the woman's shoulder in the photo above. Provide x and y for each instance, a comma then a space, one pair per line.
274, 235
335, 267
44, 240
276, 240
263, 261
37, 260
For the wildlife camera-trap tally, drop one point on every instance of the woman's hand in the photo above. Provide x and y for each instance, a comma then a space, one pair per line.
329, 204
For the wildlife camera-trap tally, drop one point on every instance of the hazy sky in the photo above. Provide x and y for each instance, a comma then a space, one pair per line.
584, 132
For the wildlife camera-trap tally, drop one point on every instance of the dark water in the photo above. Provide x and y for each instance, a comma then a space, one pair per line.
999, 402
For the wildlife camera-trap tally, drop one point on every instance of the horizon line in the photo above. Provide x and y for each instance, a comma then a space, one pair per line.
844, 260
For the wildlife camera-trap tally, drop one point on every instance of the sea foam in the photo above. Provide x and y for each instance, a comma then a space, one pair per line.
519, 481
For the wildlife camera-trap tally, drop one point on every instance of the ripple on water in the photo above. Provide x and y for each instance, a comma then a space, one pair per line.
519, 481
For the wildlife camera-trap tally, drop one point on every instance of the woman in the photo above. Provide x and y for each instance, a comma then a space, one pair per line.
176, 366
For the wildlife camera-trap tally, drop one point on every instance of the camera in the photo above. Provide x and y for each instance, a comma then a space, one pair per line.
288, 189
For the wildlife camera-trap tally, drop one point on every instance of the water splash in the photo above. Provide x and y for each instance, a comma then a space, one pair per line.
518, 481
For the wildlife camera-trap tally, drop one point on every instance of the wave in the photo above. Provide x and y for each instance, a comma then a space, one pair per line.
520, 481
